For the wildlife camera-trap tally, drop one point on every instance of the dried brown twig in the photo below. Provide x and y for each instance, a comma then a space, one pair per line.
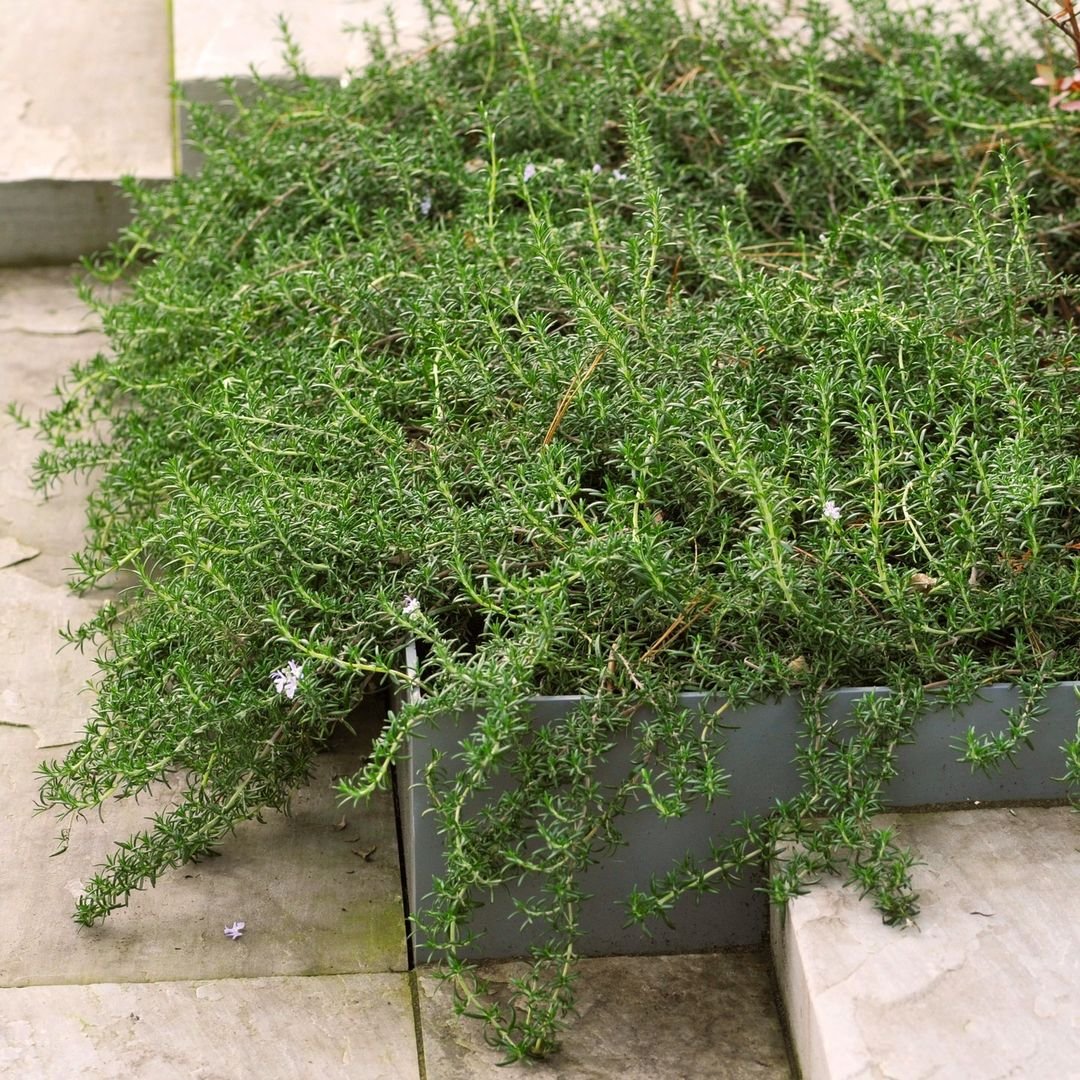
1065, 20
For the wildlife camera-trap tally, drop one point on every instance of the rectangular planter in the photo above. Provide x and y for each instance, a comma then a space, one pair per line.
759, 756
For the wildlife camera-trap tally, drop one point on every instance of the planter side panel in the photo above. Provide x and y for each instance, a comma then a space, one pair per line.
760, 758
731, 917
929, 771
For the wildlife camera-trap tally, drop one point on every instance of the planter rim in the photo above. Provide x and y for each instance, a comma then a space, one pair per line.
414, 695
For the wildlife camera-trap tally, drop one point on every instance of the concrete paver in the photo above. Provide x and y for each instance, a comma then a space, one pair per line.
985, 985
84, 100
213, 41
351, 1027
312, 905
638, 1018
53, 707
44, 328
84, 90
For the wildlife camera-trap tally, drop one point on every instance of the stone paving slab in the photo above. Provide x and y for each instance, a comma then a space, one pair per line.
985, 985
43, 687
353, 1027
215, 41
84, 100
84, 90
312, 903
44, 329
312, 906
639, 1018
43, 300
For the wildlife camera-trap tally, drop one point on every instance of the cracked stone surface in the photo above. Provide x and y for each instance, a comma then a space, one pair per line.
84, 100
12, 552
55, 706
638, 1018
986, 984
330, 1027
84, 90
44, 328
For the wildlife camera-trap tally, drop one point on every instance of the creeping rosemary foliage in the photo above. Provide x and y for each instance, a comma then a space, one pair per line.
647, 354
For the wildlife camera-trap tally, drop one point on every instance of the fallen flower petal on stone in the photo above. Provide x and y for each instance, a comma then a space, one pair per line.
235, 932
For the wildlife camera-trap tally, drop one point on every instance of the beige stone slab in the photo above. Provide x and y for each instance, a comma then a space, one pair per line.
216, 40
986, 985
354, 1027
44, 329
44, 685
43, 301
84, 90
639, 1018
312, 905
84, 100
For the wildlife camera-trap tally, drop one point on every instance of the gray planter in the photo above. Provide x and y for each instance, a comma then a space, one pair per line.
759, 754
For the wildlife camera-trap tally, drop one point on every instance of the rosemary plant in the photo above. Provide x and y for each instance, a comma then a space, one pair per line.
595, 350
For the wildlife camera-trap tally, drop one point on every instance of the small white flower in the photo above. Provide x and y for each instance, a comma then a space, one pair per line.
235, 931
619, 175
411, 606
345, 80
529, 173
597, 169
425, 205
831, 511
287, 679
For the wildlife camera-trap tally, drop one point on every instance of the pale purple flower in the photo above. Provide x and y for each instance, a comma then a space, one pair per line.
411, 606
831, 511
235, 932
425, 205
287, 679
597, 169
529, 173
619, 175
